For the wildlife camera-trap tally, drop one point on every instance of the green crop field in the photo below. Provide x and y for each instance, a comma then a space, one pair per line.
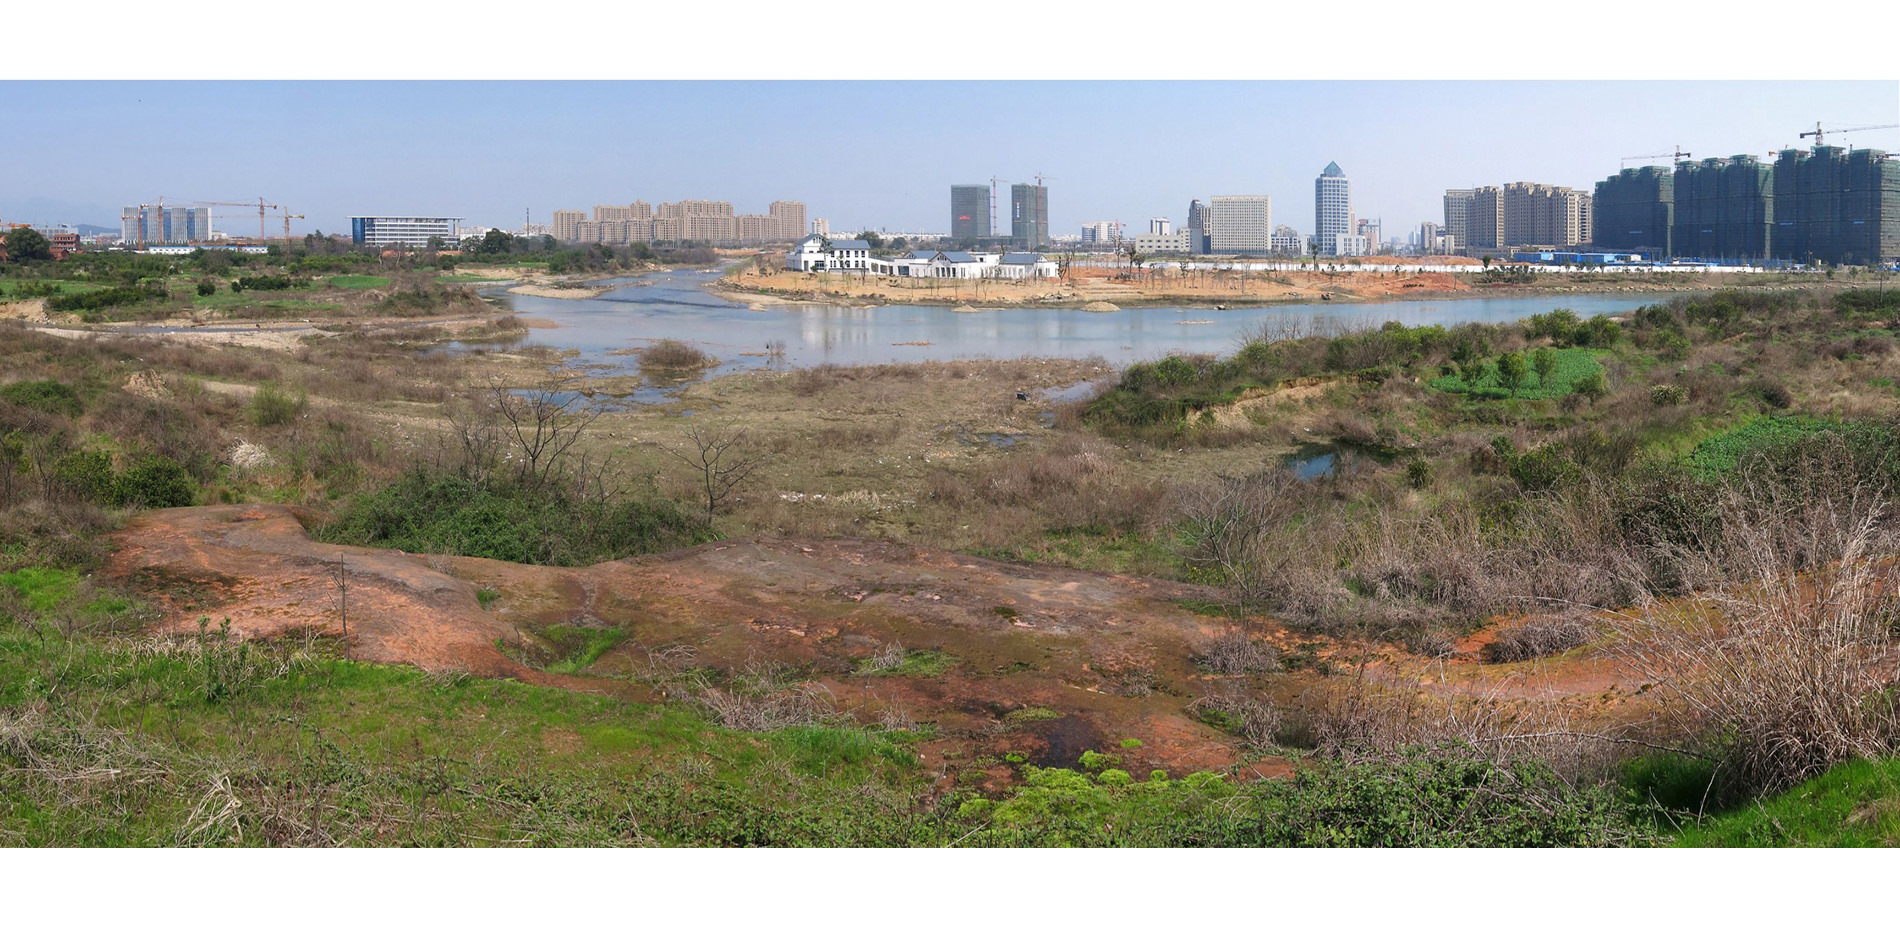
358, 281
1572, 365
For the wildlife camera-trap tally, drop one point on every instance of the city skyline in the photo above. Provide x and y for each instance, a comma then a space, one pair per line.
488, 151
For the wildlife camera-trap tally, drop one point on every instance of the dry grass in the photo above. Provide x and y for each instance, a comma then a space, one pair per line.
1786, 658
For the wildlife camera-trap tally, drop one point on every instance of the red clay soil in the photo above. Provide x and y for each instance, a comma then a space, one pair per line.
1099, 658
1103, 658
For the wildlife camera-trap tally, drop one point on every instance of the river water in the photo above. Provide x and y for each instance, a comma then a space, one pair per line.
677, 305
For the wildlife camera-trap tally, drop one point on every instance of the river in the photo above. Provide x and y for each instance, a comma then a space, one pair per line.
678, 305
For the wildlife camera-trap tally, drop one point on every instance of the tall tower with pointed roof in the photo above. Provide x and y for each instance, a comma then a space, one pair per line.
1332, 209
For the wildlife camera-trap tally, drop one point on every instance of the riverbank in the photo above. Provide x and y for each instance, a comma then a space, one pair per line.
1212, 289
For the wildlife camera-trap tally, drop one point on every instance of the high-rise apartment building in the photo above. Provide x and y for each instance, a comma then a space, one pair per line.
167, 225
1635, 210
1458, 217
708, 221
1240, 224
788, 220
1029, 215
1332, 209
1525, 214
1725, 209
1160, 226
567, 224
969, 211
1837, 206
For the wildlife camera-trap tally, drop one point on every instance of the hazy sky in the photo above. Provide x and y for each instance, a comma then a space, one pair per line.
873, 154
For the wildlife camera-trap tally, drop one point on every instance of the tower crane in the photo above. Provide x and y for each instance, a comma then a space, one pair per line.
1819, 133
138, 221
1678, 156
287, 218
261, 206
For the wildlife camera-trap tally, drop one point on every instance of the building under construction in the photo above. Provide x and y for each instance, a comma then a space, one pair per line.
1836, 206
1826, 205
1725, 209
1636, 211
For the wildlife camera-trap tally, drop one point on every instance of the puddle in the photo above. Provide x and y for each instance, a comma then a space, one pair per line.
1313, 461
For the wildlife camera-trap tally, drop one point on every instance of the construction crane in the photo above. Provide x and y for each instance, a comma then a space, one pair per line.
261, 207
1819, 135
287, 218
138, 221
1678, 156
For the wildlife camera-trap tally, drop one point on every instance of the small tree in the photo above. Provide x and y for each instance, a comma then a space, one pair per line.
722, 461
1543, 360
25, 244
1593, 387
1511, 371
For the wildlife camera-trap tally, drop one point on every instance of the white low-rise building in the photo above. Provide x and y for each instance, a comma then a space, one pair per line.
814, 254
1163, 243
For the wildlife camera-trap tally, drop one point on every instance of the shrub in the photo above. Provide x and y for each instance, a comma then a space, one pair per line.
155, 482
271, 406
95, 300
49, 396
1538, 636
1235, 653
1667, 394
449, 514
83, 475
668, 354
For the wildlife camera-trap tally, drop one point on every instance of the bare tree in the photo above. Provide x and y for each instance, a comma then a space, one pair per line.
721, 459
543, 426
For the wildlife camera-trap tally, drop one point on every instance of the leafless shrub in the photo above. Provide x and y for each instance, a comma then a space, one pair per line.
767, 696
1541, 636
1249, 717
670, 355
1235, 653
885, 660
798, 706
1785, 661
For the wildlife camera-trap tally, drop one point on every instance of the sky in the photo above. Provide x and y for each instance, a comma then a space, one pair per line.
871, 154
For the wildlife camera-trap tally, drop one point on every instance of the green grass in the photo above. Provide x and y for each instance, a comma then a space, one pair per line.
1572, 366
1110, 552
322, 751
927, 663
581, 646
1724, 451
34, 289
358, 281
43, 588
1856, 804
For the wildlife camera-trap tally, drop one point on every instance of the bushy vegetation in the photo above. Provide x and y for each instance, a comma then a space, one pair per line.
503, 520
